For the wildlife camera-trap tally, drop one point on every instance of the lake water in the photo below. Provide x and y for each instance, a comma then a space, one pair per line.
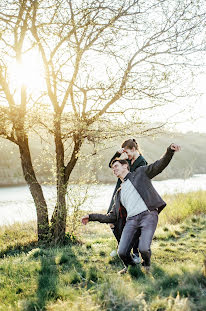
16, 203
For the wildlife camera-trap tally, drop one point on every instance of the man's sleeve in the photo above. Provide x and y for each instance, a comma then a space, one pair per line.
104, 218
157, 167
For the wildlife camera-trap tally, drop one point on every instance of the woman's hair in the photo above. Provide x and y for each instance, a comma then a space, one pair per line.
131, 143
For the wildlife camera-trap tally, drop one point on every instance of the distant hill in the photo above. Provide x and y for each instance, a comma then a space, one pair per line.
191, 160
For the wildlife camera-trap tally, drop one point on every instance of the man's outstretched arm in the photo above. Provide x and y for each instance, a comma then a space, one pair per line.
103, 218
158, 166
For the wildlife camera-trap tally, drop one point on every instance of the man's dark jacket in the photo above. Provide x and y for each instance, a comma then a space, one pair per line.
119, 225
140, 161
141, 180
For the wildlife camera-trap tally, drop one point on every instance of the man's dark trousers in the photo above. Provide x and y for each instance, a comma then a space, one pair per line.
146, 223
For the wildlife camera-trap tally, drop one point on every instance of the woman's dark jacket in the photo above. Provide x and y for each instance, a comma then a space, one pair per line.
141, 180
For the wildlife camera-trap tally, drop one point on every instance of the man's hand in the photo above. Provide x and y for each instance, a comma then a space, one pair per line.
85, 219
175, 147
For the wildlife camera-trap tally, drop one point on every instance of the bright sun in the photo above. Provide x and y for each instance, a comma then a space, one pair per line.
30, 72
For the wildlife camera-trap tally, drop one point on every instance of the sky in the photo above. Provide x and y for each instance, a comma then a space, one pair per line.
31, 74
190, 120
198, 114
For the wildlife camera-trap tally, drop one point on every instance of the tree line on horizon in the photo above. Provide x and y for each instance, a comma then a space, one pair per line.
190, 161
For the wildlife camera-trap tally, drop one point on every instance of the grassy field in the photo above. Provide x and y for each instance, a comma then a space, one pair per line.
83, 276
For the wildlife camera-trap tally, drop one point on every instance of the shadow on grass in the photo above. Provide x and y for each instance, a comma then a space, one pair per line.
47, 284
160, 284
54, 262
160, 290
18, 248
57, 272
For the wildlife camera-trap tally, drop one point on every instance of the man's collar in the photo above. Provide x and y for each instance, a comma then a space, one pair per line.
127, 176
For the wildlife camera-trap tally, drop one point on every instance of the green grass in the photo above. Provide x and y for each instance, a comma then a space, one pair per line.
182, 205
84, 277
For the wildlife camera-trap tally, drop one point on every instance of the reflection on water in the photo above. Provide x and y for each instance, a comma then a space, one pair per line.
16, 203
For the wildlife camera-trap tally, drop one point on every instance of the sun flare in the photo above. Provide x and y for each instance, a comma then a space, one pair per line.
29, 72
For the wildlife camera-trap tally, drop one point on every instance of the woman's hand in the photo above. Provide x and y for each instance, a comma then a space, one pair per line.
121, 150
124, 155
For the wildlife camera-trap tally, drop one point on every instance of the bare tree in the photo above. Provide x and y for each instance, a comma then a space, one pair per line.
14, 25
105, 61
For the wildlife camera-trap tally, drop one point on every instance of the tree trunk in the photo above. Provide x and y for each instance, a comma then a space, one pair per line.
36, 192
58, 221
